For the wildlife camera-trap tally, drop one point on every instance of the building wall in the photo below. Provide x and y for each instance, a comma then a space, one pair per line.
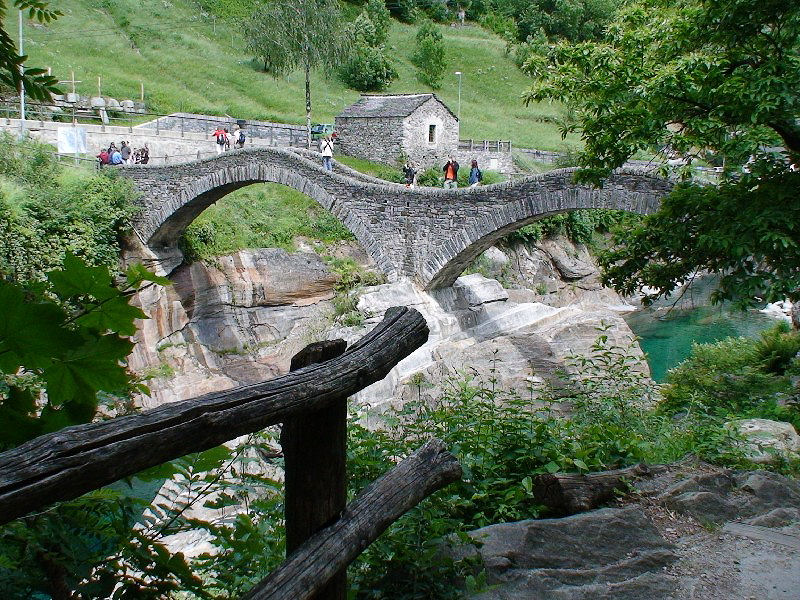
415, 135
488, 160
377, 139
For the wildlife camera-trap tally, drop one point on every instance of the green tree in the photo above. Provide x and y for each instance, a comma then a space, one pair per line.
13, 74
429, 55
298, 33
381, 19
573, 20
367, 68
695, 78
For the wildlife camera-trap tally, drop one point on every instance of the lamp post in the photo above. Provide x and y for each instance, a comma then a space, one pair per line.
458, 112
21, 83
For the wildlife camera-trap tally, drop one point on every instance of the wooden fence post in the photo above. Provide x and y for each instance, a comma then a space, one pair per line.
314, 450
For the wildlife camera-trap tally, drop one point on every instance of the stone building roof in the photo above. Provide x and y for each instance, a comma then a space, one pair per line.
388, 105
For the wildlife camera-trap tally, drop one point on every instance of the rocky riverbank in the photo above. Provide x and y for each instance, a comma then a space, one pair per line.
693, 531
238, 319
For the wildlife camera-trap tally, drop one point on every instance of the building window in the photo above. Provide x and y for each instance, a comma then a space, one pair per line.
431, 134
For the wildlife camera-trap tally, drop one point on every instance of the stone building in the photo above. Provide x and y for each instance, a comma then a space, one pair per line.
384, 127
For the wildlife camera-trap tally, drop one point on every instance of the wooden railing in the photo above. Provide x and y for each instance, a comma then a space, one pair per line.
323, 536
485, 145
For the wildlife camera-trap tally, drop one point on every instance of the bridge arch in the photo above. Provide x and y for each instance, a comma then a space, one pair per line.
426, 234
526, 202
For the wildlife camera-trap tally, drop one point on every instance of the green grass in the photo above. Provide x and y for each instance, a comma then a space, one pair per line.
260, 216
372, 168
186, 66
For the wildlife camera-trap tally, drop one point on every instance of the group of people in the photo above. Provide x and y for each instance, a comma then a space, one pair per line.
450, 171
124, 155
223, 139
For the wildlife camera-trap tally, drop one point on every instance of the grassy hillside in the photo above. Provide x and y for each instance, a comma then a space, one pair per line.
190, 61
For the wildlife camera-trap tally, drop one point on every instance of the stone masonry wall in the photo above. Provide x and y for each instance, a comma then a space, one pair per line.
415, 135
488, 160
378, 140
427, 234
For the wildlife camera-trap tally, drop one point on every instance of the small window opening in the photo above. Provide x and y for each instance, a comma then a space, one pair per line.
431, 133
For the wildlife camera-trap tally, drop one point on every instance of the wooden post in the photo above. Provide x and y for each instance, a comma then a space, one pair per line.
380, 504
314, 450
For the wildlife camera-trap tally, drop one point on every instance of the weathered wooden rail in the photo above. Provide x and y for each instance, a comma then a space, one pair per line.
323, 536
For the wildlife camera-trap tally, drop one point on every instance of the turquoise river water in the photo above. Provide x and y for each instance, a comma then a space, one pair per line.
666, 337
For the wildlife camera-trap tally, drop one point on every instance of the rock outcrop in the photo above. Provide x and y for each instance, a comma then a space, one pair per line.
235, 320
693, 531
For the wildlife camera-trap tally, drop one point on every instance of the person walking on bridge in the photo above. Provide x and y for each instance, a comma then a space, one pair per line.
451, 174
326, 147
125, 151
219, 138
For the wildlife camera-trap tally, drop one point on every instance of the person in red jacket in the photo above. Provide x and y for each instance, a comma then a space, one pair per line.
451, 174
220, 139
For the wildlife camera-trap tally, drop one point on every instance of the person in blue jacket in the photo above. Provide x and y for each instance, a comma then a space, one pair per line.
475, 174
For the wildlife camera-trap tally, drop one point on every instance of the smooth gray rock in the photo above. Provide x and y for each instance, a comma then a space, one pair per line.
570, 267
769, 490
478, 290
778, 517
606, 553
704, 506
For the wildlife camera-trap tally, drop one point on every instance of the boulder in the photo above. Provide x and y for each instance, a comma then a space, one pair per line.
767, 441
607, 553
477, 289
97, 102
570, 267
706, 507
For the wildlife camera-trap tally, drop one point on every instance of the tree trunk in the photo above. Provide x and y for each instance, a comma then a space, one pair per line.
308, 105
571, 493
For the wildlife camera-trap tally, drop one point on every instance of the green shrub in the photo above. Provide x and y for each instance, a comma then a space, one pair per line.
730, 378
431, 177
777, 348
260, 216
381, 20
533, 46
367, 69
47, 210
428, 56
502, 25
403, 10
435, 9
580, 226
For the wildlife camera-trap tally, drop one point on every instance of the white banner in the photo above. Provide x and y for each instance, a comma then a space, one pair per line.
71, 140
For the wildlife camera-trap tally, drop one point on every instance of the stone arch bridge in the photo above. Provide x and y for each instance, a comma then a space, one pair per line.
429, 235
